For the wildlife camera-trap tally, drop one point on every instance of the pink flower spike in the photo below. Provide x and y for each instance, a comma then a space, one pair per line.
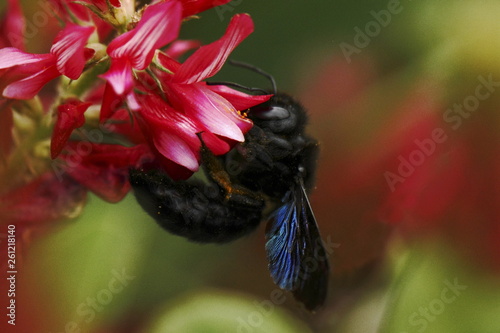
69, 48
239, 100
208, 59
158, 26
13, 26
119, 76
69, 117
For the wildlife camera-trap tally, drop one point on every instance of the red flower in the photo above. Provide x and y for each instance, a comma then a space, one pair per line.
408, 169
174, 103
173, 134
191, 106
194, 106
45, 199
206, 104
102, 168
454, 192
30, 72
69, 9
135, 49
12, 26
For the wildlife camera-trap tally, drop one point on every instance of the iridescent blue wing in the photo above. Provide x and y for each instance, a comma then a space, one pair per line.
297, 258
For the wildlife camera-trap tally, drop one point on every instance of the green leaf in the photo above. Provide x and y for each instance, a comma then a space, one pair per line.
218, 311
439, 292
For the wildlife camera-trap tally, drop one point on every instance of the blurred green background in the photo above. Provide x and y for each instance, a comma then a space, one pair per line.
383, 280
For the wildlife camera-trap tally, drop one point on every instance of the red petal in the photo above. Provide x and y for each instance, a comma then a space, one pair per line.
115, 3
208, 59
132, 102
102, 4
159, 26
120, 76
168, 63
28, 88
69, 117
179, 47
69, 48
211, 110
88, 53
193, 7
173, 134
240, 101
10, 57
13, 26
174, 170
121, 123
104, 170
175, 149
110, 103
67, 10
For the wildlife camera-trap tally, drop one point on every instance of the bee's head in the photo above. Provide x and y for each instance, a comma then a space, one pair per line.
281, 114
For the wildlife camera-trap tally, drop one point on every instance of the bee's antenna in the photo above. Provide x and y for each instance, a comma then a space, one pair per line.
236, 85
257, 70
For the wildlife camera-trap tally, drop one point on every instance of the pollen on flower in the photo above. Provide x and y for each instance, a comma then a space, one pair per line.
241, 113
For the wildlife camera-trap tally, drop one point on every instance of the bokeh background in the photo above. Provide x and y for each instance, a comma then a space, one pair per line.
414, 215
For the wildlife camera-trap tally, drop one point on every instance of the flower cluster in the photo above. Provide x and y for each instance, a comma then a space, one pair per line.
123, 99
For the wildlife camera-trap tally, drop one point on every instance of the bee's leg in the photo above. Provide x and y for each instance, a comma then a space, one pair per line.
216, 172
195, 210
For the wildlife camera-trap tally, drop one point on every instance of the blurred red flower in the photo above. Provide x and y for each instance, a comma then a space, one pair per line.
12, 26
398, 165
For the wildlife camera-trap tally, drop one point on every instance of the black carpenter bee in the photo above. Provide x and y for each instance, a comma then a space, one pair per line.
264, 178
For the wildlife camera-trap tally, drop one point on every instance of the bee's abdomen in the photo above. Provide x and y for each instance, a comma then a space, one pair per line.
195, 210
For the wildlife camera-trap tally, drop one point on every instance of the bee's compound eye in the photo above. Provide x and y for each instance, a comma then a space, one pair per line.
302, 171
271, 113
